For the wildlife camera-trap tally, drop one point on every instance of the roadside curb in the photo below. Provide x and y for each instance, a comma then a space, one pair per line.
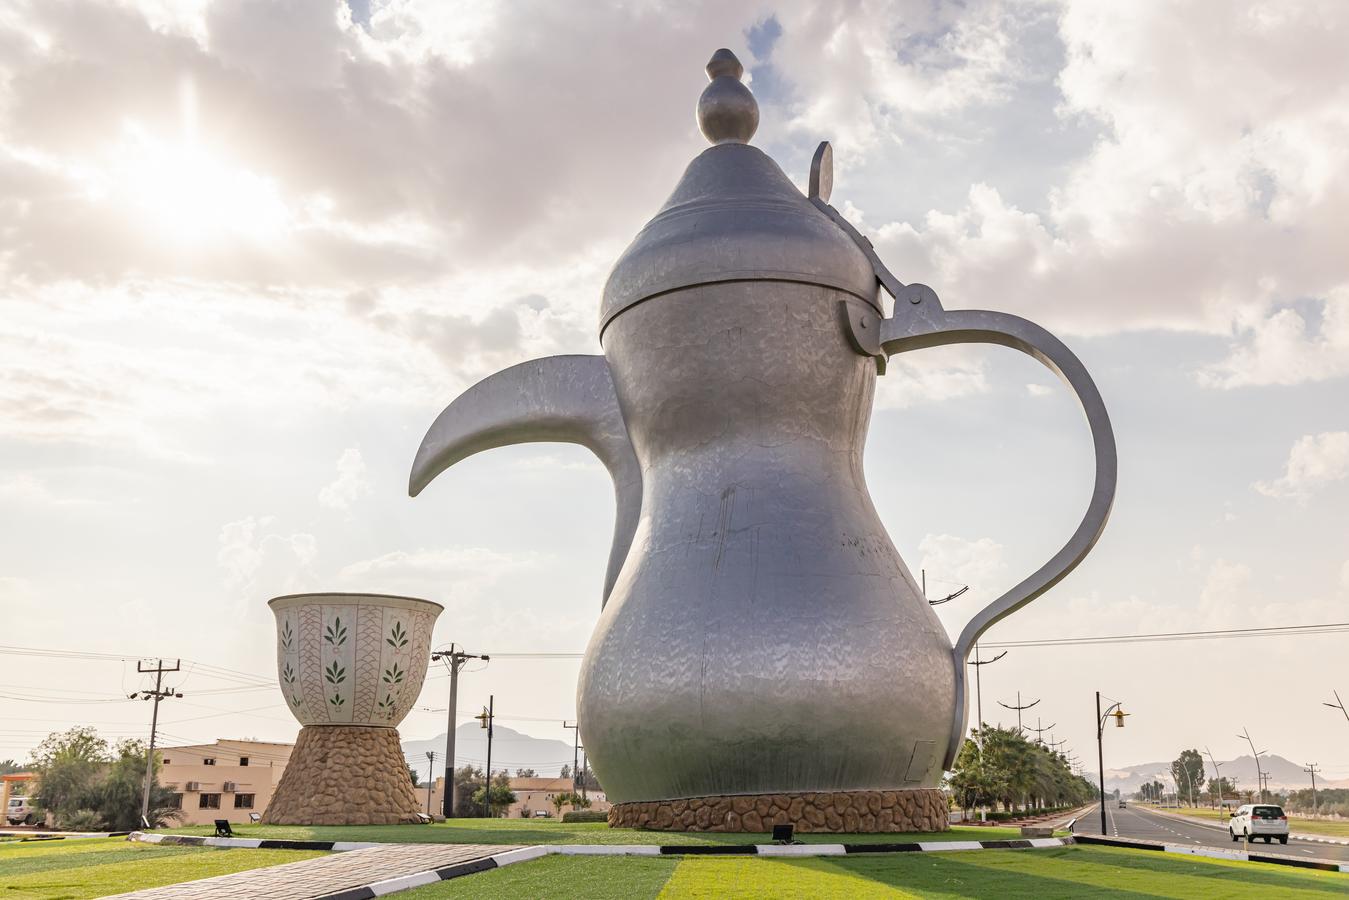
418, 879
629, 849
1214, 853
195, 840
524, 854
61, 835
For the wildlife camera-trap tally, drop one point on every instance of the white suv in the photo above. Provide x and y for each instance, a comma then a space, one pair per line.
1258, 820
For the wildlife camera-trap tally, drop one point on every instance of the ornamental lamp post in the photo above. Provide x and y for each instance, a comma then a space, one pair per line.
1117, 711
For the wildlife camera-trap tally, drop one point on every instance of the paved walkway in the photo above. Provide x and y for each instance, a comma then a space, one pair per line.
310, 878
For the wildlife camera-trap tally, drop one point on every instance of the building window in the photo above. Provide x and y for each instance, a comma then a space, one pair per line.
208, 761
243, 801
243, 760
176, 802
166, 761
208, 801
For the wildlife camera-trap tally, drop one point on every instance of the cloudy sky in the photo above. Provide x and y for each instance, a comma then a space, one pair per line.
249, 249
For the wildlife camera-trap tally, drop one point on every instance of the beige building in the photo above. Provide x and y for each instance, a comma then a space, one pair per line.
531, 795
224, 780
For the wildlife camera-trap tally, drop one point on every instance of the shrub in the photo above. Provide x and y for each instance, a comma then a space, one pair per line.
585, 815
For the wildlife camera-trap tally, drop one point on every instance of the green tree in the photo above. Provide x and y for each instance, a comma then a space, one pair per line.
502, 795
468, 781
68, 765
570, 798
117, 796
8, 766
565, 772
82, 782
1188, 772
1015, 772
526, 773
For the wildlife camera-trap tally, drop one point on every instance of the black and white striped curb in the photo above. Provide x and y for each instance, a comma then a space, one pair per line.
1319, 839
193, 840
524, 854
61, 835
1324, 865
418, 879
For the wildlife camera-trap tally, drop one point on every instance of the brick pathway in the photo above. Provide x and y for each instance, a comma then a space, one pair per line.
325, 875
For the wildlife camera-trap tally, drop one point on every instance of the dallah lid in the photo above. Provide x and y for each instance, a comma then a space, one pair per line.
734, 216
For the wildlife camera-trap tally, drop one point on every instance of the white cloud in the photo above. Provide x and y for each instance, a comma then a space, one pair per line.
1277, 348
351, 483
1314, 460
259, 560
461, 572
980, 563
1216, 195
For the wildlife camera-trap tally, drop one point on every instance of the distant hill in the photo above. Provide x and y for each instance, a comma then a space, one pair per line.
1282, 773
510, 750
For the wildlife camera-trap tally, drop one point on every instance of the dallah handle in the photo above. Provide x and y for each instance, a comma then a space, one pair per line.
919, 322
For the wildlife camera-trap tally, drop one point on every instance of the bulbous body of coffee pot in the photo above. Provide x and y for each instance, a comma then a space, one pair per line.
760, 635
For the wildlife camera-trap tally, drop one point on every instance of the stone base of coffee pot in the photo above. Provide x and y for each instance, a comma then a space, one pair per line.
344, 775
825, 811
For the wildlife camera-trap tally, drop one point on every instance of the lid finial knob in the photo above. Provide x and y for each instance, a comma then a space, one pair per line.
727, 111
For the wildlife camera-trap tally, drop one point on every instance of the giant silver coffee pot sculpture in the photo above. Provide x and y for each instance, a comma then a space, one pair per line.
762, 650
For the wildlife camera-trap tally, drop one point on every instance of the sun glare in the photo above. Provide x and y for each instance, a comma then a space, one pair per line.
189, 195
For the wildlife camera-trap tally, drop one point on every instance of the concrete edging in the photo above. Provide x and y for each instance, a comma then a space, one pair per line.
1323, 865
380, 888
524, 854
61, 835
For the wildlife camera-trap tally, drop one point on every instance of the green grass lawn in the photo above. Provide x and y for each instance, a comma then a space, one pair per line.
1068, 872
1295, 823
534, 831
96, 867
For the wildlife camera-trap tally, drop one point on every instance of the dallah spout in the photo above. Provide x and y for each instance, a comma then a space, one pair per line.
564, 399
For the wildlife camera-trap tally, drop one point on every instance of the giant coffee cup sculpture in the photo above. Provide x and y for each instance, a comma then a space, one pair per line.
763, 655
351, 666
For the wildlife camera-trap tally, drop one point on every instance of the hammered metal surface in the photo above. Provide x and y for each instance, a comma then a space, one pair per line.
763, 635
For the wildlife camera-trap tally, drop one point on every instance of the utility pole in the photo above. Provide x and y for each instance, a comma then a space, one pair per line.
585, 794
159, 693
1259, 772
1311, 770
979, 690
1039, 732
430, 777
575, 749
1018, 709
456, 660
1338, 704
486, 717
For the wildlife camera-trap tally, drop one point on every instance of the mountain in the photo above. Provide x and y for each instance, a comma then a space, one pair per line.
1282, 773
510, 750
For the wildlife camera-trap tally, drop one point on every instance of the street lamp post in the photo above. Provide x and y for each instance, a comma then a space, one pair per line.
1116, 710
1338, 704
1217, 777
486, 717
1259, 771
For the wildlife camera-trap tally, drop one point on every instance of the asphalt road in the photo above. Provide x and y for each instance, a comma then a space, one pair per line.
1146, 824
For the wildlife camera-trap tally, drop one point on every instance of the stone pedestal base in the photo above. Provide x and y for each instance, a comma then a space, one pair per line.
833, 811
344, 775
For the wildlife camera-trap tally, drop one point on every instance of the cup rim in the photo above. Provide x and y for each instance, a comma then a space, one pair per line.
351, 595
